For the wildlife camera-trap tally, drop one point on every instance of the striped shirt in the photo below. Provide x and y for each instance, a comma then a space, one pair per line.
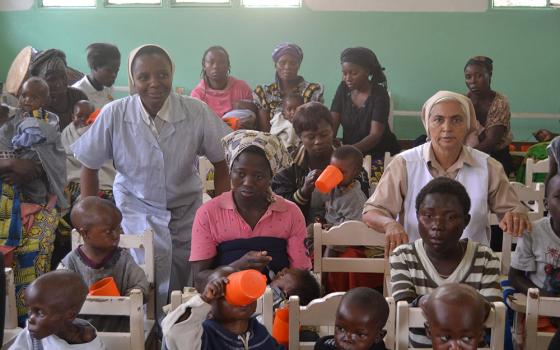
413, 275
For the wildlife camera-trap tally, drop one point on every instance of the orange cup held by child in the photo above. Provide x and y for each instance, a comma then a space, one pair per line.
329, 179
245, 287
106, 287
280, 326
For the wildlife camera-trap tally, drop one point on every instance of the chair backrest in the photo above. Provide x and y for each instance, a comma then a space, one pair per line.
349, 233
366, 164
413, 317
130, 306
535, 167
322, 312
539, 306
11, 329
531, 197
204, 167
387, 159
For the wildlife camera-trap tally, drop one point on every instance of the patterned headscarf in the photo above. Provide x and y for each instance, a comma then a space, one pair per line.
287, 48
441, 96
133, 55
482, 61
238, 141
47, 61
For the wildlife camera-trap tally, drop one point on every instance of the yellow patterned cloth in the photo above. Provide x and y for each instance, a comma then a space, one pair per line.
32, 257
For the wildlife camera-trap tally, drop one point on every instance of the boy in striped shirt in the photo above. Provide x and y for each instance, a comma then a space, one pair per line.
440, 257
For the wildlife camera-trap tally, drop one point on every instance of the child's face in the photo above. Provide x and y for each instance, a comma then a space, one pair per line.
349, 169
32, 97
106, 75
104, 236
290, 106
216, 65
355, 329
453, 327
44, 319
222, 311
441, 222
286, 280
553, 199
82, 112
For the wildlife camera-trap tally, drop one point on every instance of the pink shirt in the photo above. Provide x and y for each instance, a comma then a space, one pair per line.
218, 221
222, 101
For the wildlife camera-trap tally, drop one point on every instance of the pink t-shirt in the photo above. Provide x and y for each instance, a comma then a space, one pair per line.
222, 101
218, 221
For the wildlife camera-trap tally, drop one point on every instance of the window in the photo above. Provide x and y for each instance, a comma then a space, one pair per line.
271, 3
196, 2
133, 2
69, 3
526, 3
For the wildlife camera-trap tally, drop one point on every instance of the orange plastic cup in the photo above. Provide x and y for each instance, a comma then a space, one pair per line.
105, 287
245, 287
280, 326
329, 179
233, 122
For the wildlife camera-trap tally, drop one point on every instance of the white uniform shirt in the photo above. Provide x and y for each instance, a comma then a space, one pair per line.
98, 98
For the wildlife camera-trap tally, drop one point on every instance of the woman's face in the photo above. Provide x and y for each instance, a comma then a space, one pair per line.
477, 79
447, 125
216, 65
152, 79
318, 142
354, 76
287, 67
250, 176
57, 81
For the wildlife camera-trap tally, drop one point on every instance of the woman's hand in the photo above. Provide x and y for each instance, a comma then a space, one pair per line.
515, 224
20, 171
252, 260
395, 235
309, 183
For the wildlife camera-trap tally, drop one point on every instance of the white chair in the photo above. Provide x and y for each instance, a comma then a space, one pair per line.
413, 317
531, 197
539, 306
366, 164
386, 160
128, 305
11, 329
535, 167
204, 167
322, 312
349, 233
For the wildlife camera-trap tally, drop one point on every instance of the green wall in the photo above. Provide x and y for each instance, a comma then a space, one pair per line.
422, 52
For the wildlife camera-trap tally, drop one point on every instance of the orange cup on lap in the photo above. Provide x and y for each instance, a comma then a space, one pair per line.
106, 287
329, 179
245, 287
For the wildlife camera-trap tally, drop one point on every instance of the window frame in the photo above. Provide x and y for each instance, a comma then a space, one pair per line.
106, 4
201, 3
42, 6
242, 5
548, 5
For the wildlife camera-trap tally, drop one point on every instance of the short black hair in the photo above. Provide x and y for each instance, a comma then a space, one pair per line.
349, 152
445, 185
369, 300
547, 183
309, 115
101, 54
40, 82
307, 287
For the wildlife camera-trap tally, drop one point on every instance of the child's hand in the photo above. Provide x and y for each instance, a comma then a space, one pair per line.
214, 289
309, 183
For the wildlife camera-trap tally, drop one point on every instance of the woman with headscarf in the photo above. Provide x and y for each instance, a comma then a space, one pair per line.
492, 111
250, 227
154, 138
51, 66
448, 118
361, 105
287, 59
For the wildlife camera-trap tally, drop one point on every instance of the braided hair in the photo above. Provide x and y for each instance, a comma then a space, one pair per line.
208, 50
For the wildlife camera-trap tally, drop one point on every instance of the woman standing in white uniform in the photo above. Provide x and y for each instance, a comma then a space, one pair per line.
154, 138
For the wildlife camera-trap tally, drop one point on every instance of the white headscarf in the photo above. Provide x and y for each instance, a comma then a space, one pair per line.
442, 96
131, 58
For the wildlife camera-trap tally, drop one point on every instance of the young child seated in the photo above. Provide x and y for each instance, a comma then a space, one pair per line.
54, 300
440, 257
84, 111
208, 321
99, 223
242, 116
104, 61
536, 260
360, 319
455, 315
281, 122
33, 134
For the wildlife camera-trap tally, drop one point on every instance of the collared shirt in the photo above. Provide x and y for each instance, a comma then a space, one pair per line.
218, 221
156, 123
99, 98
392, 188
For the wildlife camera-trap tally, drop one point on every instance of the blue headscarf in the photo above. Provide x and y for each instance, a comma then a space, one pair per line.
287, 48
